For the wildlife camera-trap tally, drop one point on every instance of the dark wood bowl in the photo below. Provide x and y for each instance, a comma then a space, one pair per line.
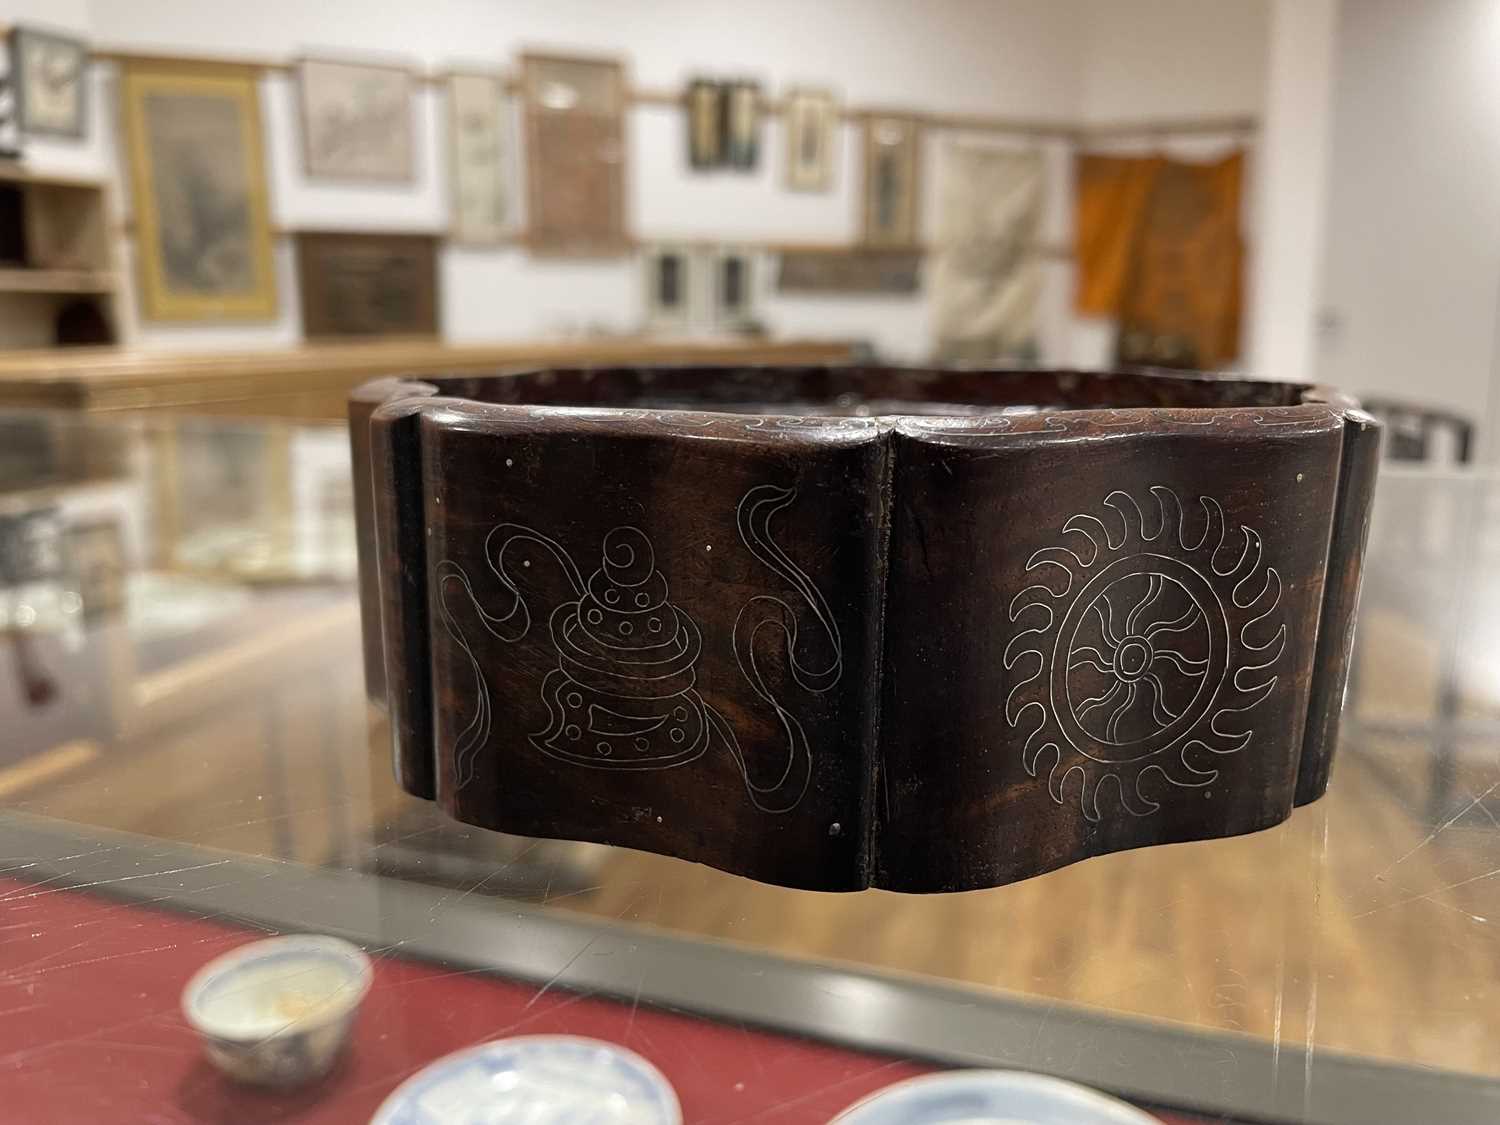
848, 627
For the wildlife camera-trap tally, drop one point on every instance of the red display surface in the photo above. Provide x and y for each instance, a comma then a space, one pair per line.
91, 1030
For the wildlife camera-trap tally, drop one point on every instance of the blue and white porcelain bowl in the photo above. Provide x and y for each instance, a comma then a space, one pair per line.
538, 1079
277, 1012
990, 1097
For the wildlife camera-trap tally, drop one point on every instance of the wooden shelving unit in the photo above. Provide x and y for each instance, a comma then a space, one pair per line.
57, 278
314, 380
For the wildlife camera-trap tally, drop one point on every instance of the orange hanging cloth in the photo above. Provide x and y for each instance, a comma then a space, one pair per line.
1111, 193
1182, 296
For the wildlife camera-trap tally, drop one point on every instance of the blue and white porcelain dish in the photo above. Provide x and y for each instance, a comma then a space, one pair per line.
990, 1097
539, 1079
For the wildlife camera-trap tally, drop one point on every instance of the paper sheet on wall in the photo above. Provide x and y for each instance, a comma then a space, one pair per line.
986, 279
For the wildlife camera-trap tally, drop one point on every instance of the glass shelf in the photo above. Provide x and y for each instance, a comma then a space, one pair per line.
189, 762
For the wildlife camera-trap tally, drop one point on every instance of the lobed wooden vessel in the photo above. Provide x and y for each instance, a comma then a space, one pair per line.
846, 627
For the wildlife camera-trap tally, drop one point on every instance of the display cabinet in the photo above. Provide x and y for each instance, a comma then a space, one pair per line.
1337, 969
57, 275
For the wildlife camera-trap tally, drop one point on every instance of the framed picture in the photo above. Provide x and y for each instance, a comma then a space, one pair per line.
203, 239
984, 273
48, 72
575, 155
669, 287
355, 284
723, 120
96, 555
733, 296
705, 132
849, 271
356, 121
891, 159
479, 149
811, 119
741, 116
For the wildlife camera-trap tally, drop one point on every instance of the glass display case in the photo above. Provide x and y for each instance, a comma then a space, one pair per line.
188, 763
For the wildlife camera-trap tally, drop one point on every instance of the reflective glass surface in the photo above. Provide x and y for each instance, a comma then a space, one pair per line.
187, 761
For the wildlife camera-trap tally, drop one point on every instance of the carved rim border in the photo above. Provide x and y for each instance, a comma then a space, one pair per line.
1315, 402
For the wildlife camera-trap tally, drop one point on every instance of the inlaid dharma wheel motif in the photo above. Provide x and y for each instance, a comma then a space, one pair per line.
1145, 643
1144, 647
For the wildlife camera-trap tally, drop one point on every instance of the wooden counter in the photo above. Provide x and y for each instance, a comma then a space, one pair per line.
313, 381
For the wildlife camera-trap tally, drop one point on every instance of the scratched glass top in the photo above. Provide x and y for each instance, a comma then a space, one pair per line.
180, 662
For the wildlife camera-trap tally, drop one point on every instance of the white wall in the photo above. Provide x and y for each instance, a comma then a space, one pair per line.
1096, 59
1291, 189
1412, 265
1172, 58
1011, 56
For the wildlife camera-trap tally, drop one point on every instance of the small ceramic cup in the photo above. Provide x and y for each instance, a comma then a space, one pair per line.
277, 1012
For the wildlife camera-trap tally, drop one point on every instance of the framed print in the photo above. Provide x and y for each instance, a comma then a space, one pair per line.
741, 117
203, 238
669, 287
97, 557
986, 277
48, 74
575, 155
723, 121
849, 271
478, 146
733, 296
705, 132
356, 121
221, 496
810, 118
355, 284
892, 154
